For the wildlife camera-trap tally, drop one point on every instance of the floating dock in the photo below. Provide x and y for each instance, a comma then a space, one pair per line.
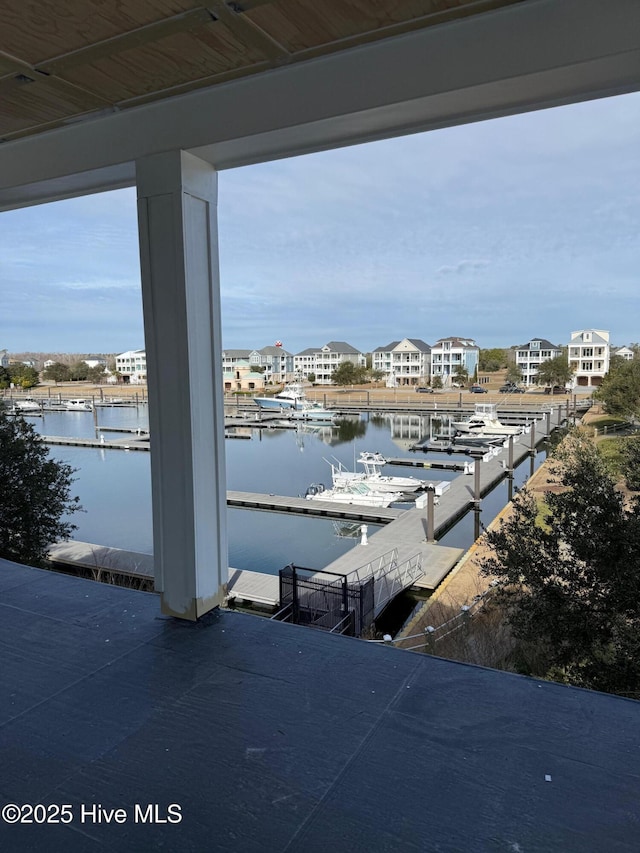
404, 532
317, 509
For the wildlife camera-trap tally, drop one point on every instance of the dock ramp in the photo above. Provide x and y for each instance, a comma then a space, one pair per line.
344, 603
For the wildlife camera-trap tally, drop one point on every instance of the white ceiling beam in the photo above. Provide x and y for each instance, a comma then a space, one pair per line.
527, 56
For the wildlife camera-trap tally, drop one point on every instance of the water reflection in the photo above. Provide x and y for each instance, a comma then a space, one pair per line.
114, 486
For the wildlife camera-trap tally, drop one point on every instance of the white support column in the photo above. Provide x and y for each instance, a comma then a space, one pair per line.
177, 199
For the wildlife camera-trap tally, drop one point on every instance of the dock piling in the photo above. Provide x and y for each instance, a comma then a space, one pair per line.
430, 514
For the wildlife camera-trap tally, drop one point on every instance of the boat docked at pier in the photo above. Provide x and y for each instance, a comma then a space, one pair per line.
372, 476
355, 493
484, 422
78, 405
293, 402
25, 406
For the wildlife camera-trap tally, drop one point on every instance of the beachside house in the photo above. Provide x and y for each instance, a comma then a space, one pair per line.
243, 378
324, 361
529, 357
132, 366
589, 354
275, 361
405, 362
450, 355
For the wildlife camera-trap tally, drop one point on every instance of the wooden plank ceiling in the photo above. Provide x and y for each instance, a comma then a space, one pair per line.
62, 61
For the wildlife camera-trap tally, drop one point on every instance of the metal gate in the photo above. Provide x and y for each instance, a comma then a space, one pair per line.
326, 600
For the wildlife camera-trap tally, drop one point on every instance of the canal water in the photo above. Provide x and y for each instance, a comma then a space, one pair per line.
114, 486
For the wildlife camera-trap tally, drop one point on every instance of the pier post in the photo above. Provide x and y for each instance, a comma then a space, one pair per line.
532, 436
477, 459
431, 513
177, 219
548, 419
429, 639
510, 464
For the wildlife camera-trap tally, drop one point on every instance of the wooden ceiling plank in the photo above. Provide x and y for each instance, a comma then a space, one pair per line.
452, 14
191, 20
10, 64
247, 32
247, 5
202, 83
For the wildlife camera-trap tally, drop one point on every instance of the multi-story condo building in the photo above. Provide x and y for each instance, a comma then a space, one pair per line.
589, 353
276, 362
132, 366
530, 356
231, 357
406, 362
324, 361
450, 354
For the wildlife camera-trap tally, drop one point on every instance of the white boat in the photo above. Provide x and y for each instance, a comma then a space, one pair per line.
78, 405
371, 476
293, 401
484, 422
27, 405
357, 493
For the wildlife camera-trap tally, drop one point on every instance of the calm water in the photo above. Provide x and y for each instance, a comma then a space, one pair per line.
115, 486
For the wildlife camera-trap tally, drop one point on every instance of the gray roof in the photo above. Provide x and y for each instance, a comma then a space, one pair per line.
544, 344
420, 344
417, 343
309, 351
341, 346
236, 353
388, 347
459, 342
273, 351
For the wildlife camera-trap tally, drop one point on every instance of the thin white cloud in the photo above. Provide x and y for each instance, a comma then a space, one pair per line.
462, 267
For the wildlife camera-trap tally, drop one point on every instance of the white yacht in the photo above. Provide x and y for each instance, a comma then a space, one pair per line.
356, 493
372, 476
484, 421
78, 405
26, 405
293, 402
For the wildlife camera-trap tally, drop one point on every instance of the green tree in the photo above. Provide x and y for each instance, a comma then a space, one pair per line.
311, 378
570, 587
35, 496
348, 373
96, 373
436, 382
491, 360
555, 371
513, 374
24, 375
620, 389
5, 378
631, 462
79, 371
461, 374
56, 372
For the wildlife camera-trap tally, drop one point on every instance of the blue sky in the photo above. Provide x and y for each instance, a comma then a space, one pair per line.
501, 231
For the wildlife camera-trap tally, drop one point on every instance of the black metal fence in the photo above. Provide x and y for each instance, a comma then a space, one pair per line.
326, 600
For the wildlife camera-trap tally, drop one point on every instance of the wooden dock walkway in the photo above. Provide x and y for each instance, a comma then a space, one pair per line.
318, 509
405, 531
257, 587
137, 443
